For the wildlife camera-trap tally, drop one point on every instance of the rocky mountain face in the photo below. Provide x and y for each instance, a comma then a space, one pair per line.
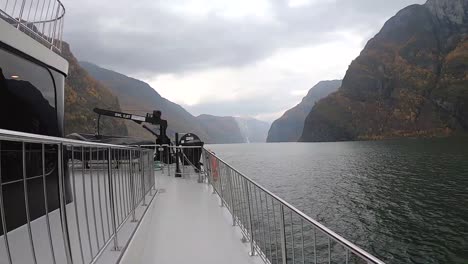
289, 127
411, 80
82, 94
222, 129
140, 98
253, 130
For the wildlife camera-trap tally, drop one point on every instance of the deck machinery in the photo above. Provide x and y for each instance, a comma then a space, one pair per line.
189, 151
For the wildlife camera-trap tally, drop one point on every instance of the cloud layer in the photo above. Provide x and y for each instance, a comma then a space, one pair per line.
241, 57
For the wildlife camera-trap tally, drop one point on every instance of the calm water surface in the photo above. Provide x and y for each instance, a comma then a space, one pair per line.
404, 201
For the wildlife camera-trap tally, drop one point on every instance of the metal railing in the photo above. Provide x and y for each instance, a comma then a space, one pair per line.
43, 20
276, 230
189, 160
65, 201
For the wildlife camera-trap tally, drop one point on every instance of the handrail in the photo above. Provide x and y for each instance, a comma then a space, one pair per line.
43, 20
34, 138
345, 243
101, 189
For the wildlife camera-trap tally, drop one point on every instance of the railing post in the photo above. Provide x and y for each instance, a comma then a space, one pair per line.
200, 180
232, 197
20, 16
283, 235
247, 191
54, 28
2, 213
220, 183
142, 176
150, 164
212, 157
151, 171
132, 185
208, 171
62, 198
112, 199
168, 160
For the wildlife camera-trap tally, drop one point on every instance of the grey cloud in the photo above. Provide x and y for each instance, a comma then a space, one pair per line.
146, 39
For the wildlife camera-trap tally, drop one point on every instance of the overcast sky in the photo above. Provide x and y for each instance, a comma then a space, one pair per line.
239, 57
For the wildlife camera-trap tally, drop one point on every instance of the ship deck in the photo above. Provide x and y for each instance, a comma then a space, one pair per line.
186, 224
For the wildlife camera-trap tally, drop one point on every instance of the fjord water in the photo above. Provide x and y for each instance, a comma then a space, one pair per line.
404, 201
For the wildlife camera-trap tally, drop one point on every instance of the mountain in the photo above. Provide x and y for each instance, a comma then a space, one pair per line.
222, 129
82, 94
288, 128
253, 130
411, 80
140, 98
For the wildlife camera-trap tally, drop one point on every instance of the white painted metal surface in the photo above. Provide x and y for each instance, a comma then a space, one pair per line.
22, 42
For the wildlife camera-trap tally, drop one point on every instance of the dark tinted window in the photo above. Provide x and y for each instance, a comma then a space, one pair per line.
27, 96
60, 98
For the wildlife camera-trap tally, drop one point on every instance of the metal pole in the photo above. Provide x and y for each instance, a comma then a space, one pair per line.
177, 173
20, 17
252, 249
132, 189
75, 204
199, 164
142, 176
232, 197
292, 238
92, 198
302, 238
63, 212
269, 227
2, 213
315, 245
106, 203
283, 235
83, 177
221, 193
112, 202
203, 158
275, 228
168, 159
46, 202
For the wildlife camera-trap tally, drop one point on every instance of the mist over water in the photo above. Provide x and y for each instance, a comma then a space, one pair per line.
405, 201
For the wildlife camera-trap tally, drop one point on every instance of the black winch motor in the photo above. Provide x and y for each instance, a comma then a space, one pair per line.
193, 151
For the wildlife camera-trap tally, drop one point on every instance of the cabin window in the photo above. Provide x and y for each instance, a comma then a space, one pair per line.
27, 96
27, 104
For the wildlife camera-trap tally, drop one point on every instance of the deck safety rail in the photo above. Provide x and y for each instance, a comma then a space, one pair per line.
66, 201
43, 20
189, 159
277, 231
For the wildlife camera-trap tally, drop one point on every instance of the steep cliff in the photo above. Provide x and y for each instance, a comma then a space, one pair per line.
82, 94
222, 129
289, 127
140, 98
253, 130
411, 80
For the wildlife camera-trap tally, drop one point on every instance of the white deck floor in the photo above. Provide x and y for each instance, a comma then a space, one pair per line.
187, 225
184, 224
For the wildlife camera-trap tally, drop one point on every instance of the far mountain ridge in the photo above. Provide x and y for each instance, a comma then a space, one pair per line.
138, 97
288, 128
223, 129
